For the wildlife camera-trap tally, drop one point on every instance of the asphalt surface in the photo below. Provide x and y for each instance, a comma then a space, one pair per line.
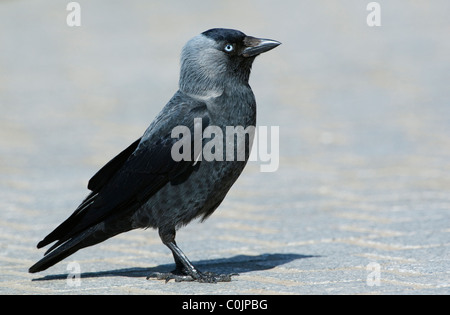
360, 203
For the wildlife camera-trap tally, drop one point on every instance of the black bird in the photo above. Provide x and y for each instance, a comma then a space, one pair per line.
144, 186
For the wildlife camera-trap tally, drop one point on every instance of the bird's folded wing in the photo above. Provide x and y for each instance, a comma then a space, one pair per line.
133, 176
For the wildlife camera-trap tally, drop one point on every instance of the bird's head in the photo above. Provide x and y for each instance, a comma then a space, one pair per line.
218, 58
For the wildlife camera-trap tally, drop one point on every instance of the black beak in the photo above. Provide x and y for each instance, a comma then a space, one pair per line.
256, 46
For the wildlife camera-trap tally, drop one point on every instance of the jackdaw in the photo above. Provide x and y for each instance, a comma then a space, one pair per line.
144, 186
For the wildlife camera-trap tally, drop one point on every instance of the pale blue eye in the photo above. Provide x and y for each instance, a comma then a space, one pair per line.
228, 48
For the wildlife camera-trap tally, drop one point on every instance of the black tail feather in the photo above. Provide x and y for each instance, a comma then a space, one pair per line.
84, 239
62, 232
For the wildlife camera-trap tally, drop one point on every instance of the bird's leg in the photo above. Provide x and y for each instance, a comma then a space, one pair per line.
179, 269
185, 270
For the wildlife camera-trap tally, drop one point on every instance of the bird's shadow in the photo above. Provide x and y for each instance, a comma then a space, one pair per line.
237, 264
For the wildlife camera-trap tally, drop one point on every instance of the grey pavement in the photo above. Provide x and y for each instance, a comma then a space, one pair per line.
360, 203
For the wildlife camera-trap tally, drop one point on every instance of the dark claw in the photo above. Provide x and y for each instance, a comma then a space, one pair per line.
210, 277
167, 276
202, 277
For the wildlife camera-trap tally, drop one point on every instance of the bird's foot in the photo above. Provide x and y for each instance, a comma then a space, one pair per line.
167, 276
211, 277
202, 277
